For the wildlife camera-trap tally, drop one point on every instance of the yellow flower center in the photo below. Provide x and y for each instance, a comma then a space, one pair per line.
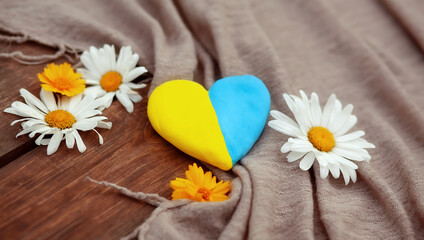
63, 83
205, 193
60, 119
321, 138
111, 81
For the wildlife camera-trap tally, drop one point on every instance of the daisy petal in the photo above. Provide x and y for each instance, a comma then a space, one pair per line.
63, 102
321, 157
101, 124
286, 147
133, 62
123, 59
96, 90
335, 170
349, 153
136, 86
88, 63
328, 108
26, 130
352, 174
104, 57
135, 98
124, 88
328, 157
293, 156
13, 111
110, 55
74, 103
133, 74
357, 143
102, 101
282, 127
284, 118
93, 82
54, 142
108, 99
32, 100
350, 136
299, 145
27, 111
89, 113
307, 161
125, 101
100, 137
338, 120
97, 61
45, 142
83, 105
316, 113
347, 126
343, 161
19, 120
41, 137
302, 115
80, 144
89, 75
337, 106
48, 100
96, 118
289, 102
85, 125
33, 122
323, 171
70, 140
345, 175
305, 103
113, 57
39, 129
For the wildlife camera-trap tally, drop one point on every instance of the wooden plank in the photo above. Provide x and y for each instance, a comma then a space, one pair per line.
48, 197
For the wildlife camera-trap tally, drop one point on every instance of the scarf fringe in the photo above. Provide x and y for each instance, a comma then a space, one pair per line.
161, 203
71, 54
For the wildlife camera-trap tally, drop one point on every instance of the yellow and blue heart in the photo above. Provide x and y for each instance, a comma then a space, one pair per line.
218, 127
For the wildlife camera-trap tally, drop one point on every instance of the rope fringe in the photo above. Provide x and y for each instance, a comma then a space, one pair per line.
152, 199
71, 54
161, 203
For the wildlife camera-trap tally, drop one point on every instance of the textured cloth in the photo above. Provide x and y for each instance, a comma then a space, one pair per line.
370, 53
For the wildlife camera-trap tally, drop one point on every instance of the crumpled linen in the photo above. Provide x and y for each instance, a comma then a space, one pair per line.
370, 53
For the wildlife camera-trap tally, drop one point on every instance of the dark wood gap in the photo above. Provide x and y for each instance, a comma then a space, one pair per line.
17, 152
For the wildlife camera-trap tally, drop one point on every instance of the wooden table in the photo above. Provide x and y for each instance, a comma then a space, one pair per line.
48, 197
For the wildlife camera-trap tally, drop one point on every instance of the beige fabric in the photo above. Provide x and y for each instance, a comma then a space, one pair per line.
370, 53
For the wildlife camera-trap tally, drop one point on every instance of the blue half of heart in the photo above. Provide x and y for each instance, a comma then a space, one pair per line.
242, 104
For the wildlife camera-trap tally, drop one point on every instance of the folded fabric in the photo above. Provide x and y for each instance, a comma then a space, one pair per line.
370, 53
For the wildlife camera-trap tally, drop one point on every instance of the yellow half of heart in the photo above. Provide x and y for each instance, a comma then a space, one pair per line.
182, 113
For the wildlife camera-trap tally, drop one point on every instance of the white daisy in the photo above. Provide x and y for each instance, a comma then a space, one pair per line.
61, 118
110, 76
321, 134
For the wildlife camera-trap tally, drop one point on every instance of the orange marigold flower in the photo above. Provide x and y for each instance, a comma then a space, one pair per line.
62, 79
199, 186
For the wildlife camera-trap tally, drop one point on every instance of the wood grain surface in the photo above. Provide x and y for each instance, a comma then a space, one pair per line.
48, 197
